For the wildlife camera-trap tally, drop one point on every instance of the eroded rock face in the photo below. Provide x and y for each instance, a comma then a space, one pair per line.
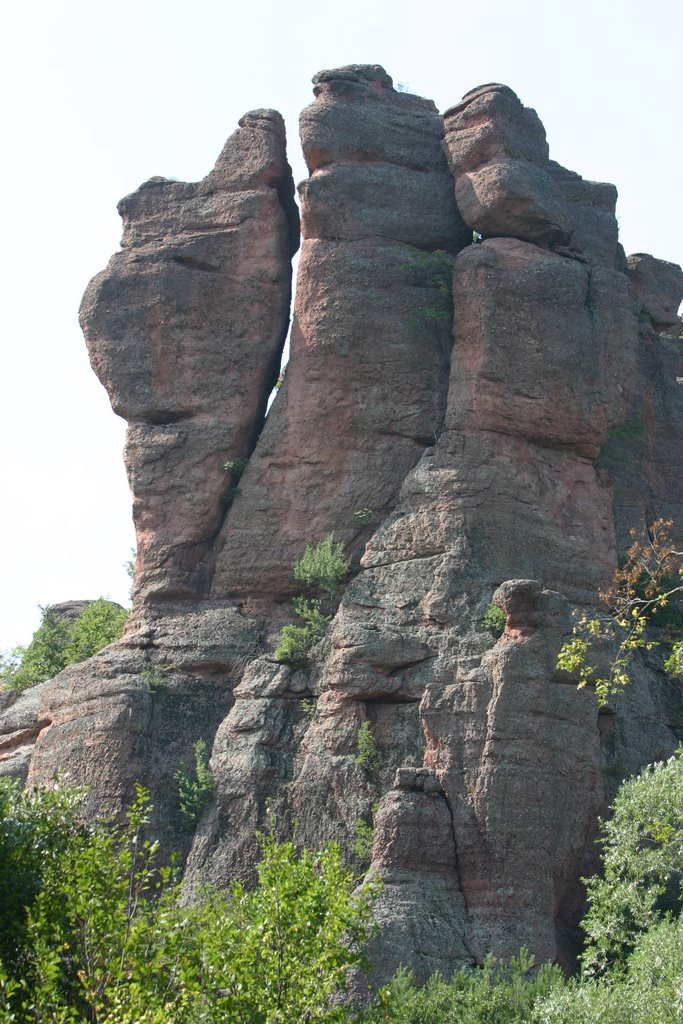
185, 328
371, 337
504, 411
506, 185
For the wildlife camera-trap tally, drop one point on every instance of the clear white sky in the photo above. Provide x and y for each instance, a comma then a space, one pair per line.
97, 97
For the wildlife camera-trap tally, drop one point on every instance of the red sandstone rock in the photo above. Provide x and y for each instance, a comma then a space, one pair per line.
658, 288
508, 469
185, 330
505, 185
364, 391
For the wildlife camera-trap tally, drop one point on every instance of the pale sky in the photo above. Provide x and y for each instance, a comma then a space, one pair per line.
96, 98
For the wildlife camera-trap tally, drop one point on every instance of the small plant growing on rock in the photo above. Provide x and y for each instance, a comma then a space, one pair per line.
363, 837
368, 757
363, 517
155, 678
323, 567
194, 787
296, 642
494, 620
236, 466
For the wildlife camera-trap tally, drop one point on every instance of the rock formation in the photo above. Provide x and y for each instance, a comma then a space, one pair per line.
480, 402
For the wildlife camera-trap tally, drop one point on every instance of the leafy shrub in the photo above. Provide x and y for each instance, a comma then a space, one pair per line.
363, 517
155, 678
649, 991
643, 865
96, 941
496, 993
236, 466
363, 837
324, 566
60, 642
279, 953
296, 642
100, 623
642, 590
194, 786
93, 929
37, 827
494, 620
368, 757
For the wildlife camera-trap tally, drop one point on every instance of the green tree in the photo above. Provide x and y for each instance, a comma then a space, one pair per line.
642, 866
42, 658
280, 952
100, 623
58, 642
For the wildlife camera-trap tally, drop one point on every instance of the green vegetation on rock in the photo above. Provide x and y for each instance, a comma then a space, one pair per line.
194, 786
93, 929
321, 568
59, 642
640, 596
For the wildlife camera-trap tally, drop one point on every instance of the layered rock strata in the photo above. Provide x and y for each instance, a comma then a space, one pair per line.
501, 406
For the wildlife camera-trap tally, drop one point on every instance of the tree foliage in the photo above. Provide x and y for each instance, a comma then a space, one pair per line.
59, 642
323, 567
641, 592
194, 786
642, 866
92, 928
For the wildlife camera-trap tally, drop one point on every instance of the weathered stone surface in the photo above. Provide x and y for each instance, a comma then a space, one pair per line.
514, 372
506, 185
507, 412
185, 329
515, 199
420, 908
21, 722
595, 236
658, 288
490, 124
364, 391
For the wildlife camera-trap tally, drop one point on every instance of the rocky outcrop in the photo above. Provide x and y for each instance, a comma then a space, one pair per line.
371, 336
477, 419
185, 328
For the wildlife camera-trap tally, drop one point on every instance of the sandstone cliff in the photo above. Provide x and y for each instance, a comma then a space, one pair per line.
504, 403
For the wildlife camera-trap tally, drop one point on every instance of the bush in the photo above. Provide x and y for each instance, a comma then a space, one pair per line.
494, 620
281, 952
368, 756
496, 993
94, 931
296, 642
643, 865
93, 939
363, 837
60, 642
194, 787
324, 567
